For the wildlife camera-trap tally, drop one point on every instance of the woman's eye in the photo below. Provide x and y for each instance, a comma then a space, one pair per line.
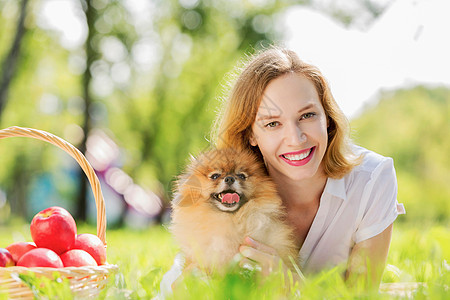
214, 176
271, 124
241, 176
307, 115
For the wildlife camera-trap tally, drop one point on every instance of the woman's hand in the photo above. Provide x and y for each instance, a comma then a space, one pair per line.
265, 258
261, 256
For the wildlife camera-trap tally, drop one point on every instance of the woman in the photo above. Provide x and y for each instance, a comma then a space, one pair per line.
340, 199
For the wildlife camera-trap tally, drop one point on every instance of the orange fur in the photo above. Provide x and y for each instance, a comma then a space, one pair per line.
210, 237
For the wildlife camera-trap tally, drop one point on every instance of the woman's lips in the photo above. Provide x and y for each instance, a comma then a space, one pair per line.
298, 158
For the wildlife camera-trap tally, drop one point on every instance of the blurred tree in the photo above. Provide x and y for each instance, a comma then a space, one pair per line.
160, 112
412, 126
195, 44
10, 61
91, 55
39, 91
19, 174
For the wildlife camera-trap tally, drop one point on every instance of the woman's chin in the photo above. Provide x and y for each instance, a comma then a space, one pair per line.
294, 173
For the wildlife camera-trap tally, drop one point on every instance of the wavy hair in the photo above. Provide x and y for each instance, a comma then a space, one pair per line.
233, 125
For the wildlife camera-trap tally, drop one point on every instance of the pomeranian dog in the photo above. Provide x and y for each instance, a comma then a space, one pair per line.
222, 197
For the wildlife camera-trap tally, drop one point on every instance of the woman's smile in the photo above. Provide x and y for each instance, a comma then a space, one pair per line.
298, 158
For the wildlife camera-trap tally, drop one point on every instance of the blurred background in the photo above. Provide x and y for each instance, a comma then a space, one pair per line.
136, 85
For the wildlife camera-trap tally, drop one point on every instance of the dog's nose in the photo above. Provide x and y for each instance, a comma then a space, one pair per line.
229, 180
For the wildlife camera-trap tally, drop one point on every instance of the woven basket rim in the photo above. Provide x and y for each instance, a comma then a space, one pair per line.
20, 269
16, 131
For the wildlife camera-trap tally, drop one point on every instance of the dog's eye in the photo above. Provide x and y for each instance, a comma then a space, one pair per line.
214, 176
241, 176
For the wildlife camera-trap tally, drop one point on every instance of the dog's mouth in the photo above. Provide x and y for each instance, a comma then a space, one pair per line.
229, 200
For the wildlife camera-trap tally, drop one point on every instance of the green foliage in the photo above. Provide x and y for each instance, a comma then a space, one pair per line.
47, 288
416, 255
161, 128
412, 126
160, 114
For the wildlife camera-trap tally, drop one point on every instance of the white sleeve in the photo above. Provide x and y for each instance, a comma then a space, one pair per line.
170, 277
378, 202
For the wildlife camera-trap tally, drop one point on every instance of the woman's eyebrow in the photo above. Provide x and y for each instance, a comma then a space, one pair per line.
309, 106
262, 117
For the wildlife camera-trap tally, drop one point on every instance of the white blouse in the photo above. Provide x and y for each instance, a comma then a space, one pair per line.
352, 209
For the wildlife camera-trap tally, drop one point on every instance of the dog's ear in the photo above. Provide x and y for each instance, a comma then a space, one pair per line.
191, 158
189, 191
180, 200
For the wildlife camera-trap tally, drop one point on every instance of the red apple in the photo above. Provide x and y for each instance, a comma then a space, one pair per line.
77, 258
6, 259
40, 257
18, 249
92, 245
54, 228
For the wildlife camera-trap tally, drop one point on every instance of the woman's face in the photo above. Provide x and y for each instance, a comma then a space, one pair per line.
290, 128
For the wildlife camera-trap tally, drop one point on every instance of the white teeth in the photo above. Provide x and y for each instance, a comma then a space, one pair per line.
298, 156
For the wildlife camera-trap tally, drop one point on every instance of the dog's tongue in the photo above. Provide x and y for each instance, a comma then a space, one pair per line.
230, 198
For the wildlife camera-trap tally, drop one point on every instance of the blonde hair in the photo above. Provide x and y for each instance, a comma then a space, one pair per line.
233, 126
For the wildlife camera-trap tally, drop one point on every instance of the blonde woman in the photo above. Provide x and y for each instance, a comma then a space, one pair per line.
340, 198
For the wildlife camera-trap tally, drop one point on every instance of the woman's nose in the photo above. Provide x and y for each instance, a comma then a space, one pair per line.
294, 135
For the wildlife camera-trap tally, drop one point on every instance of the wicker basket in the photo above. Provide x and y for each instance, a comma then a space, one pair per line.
85, 282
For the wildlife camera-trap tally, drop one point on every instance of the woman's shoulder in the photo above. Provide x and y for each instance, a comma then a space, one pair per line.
371, 161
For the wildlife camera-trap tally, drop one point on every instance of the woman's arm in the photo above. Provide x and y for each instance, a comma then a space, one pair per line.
365, 265
367, 261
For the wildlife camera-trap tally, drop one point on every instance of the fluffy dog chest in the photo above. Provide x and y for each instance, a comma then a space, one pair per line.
210, 239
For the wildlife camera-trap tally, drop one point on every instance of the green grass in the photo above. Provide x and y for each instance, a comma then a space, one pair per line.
418, 254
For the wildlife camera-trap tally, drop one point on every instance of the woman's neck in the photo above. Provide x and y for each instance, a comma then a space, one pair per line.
305, 192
